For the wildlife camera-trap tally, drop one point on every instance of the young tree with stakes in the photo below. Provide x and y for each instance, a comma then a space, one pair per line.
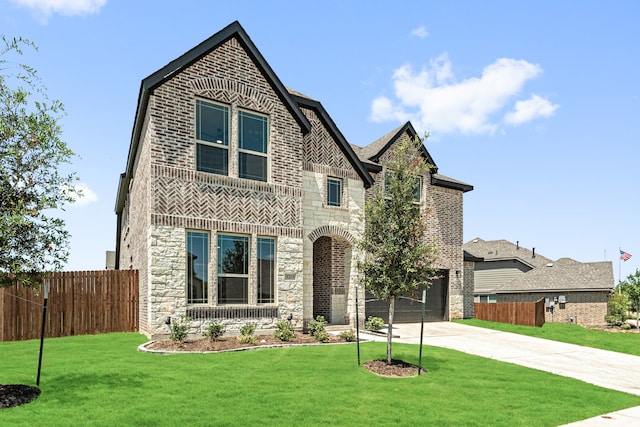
398, 256
32, 241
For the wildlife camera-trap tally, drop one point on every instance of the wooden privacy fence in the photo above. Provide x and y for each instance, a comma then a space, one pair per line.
80, 302
518, 313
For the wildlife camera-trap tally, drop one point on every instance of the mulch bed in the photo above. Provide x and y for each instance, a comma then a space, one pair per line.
17, 394
397, 368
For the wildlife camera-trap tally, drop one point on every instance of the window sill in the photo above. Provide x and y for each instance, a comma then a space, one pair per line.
233, 311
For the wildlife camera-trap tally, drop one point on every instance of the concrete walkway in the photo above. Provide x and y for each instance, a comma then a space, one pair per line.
599, 367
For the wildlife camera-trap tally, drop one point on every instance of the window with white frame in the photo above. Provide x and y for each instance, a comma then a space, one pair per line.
233, 269
485, 298
197, 267
212, 135
253, 145
334, 192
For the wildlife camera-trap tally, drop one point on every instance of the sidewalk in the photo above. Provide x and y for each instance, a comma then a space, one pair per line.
599, 367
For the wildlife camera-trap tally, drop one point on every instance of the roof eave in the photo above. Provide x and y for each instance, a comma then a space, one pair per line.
451, 185
344, 146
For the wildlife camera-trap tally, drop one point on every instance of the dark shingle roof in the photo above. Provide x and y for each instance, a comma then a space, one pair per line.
495, 250
562, 276
565, 274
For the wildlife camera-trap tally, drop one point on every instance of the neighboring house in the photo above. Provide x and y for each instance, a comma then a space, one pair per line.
242, 201
501, 271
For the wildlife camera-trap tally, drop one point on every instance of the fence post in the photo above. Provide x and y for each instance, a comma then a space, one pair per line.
2, 314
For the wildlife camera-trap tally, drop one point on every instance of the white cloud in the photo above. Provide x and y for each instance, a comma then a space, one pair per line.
434, 100
45, 8
87, 195
420, 32
530, 109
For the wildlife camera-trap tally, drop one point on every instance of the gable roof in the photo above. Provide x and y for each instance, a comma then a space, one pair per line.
370, 157
499, 250
377, 148
344, 146
163, 74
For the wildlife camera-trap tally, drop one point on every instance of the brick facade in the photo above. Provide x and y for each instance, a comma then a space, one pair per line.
162, 197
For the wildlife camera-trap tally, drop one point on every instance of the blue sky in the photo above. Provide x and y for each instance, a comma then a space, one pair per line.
534, 103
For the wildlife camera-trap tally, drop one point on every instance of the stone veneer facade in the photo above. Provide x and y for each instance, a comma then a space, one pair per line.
166, 197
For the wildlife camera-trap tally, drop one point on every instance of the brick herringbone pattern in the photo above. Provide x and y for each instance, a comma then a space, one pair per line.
188, 194
320, 147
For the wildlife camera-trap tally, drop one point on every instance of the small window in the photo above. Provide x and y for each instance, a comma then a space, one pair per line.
334, 192
266, 270
233, 269
212, 134
252, 146
197, 267
487, 298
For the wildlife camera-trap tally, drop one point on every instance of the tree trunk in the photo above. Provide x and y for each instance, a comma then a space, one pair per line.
392, 304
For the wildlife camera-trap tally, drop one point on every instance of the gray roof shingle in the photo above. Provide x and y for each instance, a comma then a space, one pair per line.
565, 274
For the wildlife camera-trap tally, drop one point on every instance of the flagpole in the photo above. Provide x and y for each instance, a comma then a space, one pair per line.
619, 268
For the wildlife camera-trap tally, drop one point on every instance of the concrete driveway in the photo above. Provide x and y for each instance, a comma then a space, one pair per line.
599, 367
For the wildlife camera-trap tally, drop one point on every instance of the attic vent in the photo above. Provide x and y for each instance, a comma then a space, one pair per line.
550, 264
475, 240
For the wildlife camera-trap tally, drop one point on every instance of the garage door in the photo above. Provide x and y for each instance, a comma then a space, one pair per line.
410, 311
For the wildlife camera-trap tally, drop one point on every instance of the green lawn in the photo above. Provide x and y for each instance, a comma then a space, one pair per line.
104, 380
573, 334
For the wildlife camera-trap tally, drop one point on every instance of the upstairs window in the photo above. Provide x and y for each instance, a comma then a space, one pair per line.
252, 146
212, 135
334, 192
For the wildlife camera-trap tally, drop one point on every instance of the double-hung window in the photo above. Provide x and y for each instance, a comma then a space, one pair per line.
252, 146
197, 267
334, 192
233, 269
212, 135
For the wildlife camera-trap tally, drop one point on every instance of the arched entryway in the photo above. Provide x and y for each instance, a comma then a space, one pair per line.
332, 253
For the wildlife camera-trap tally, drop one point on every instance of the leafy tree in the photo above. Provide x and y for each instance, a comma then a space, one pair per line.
617, 309
31, 152
631, 288
398, 257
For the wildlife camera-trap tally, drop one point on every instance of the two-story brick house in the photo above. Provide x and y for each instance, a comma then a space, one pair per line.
242, 201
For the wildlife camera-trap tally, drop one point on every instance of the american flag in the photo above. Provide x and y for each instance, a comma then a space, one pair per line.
625, 256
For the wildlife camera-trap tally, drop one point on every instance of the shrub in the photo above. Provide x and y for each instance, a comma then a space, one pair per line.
348, 336
626, 326
617, 308
317, 324
374, 323
214, 331
246, 334
180, 329
247, 339
322, 335
284, 331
